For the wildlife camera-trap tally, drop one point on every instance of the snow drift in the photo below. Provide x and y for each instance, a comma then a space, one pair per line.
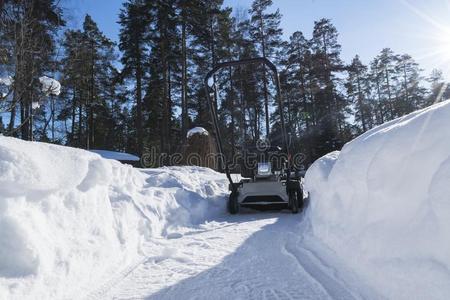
69, 217
383, 204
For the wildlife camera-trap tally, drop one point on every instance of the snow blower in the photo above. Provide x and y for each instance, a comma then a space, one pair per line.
268, 178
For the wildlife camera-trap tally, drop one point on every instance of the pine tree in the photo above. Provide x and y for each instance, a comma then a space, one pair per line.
135, 20
384, 74
358, 90
164, 49
246, 82
30, 27
439, 89
411, 96
91, 80
297, 67
330, 106
266, 32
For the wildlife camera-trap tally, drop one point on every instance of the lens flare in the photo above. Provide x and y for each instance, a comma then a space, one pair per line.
436, 41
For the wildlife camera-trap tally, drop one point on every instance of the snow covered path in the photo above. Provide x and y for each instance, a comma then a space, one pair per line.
250, 256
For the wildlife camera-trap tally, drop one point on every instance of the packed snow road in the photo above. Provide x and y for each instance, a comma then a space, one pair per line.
250, 256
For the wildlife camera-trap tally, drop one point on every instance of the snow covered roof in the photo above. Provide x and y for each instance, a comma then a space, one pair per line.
197, 130
122, 156
50, 86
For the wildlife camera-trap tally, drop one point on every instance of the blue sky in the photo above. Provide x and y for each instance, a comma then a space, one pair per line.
417, 27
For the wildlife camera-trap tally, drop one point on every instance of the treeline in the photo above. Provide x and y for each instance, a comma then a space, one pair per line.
147, 90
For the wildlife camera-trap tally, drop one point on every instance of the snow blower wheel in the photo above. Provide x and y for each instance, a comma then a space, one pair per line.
267, 177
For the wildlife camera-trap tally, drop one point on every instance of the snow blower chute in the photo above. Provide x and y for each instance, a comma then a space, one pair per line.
268, 178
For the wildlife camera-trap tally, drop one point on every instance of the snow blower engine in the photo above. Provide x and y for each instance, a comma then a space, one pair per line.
267, 178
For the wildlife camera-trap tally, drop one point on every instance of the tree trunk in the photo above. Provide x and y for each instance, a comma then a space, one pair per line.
53, 117
80, 124
266, 92
388, 86
405, 78
360, 102
139, 130
165, 96
213, 58
12, 117
74, 108
242, 107
232, 113
169, 108
90, 140
184, 106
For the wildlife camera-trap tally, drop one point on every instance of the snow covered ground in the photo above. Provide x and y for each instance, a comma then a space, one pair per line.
383, 205
249, 256
69, 218
74, 225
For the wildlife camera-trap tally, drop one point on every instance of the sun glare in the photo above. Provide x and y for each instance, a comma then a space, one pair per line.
436, 37
443, 46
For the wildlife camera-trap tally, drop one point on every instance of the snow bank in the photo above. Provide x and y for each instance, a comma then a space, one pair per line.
382, 204
68, 217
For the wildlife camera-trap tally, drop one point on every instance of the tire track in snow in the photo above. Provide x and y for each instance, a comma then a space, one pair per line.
99, 292
250, 258
312, 265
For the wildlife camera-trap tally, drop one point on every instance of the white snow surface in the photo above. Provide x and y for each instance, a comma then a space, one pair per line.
116, 155
50, 86
382, 204
69, 218
74, 225
197, 130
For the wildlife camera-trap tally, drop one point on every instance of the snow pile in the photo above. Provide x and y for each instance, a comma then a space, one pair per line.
197, 130
50, 86
68, 217
382, 204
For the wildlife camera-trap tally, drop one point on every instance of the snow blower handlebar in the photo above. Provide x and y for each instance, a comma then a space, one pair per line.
212, 107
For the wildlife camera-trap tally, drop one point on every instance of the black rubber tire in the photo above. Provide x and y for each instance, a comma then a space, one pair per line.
233, 205
294, 203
